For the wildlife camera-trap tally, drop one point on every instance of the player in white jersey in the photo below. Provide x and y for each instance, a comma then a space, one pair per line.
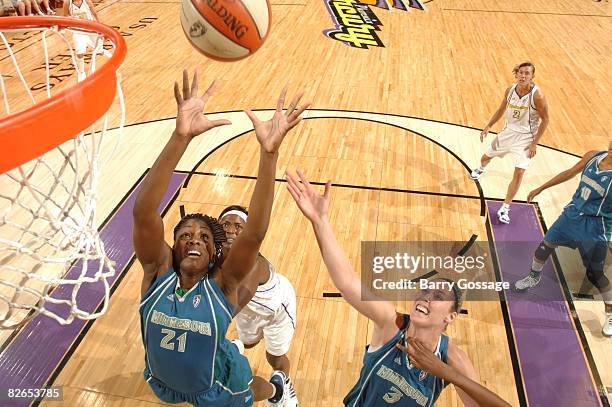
526, 113
266, 305
84, 10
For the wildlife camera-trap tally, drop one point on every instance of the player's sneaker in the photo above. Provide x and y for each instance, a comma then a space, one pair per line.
278, 381
291, 397
607, 327
528, 282
503, 215
476, 173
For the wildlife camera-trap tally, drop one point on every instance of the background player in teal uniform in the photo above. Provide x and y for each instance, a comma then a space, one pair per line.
585, 224
188, 300
388, 377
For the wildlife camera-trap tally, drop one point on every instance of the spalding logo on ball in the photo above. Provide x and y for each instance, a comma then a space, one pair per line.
226, 30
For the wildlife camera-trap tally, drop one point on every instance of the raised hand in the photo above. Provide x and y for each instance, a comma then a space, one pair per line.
424, 359
270, 134
484, 133
190, 119
312, 205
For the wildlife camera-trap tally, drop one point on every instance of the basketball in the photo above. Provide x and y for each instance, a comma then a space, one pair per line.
226, 30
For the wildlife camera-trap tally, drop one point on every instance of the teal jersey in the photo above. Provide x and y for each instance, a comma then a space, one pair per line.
388, 378
593, 198
184, 337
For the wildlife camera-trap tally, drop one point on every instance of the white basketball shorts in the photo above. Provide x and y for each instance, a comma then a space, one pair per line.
508, 141
276, 328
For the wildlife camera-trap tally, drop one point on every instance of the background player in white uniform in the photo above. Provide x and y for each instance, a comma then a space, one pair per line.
84, 10
266, 305
526, 113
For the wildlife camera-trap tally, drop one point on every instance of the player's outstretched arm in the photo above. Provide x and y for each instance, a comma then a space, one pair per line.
563, 176
148, 231
315, 207
270, 135
496, 116
458, 371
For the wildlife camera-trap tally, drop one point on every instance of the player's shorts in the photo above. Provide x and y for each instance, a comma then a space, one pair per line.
217, 395
275, 328
589, 234
510, 142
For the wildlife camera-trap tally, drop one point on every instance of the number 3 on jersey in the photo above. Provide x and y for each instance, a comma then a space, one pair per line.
166, 344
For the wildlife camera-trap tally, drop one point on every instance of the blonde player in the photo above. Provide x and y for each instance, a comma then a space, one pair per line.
526, 112
84, 10
266, 305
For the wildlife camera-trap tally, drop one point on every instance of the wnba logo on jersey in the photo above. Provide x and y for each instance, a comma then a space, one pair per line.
196, 301
422, 376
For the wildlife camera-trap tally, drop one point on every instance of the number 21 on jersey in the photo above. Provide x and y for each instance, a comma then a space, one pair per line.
169, 335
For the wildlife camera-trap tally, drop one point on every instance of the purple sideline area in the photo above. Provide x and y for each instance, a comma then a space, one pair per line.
32, 357
552, 362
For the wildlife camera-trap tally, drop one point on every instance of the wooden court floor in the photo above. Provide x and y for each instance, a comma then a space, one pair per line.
395, 128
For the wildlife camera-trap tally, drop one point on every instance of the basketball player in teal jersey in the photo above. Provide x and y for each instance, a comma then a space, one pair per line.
387, 376
585, 223
526, 114
188, 299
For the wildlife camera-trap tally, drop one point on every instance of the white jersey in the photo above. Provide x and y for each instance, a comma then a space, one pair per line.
82, 12
268, 298
521, 114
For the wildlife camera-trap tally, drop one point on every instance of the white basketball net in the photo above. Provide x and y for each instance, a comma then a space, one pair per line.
50, 246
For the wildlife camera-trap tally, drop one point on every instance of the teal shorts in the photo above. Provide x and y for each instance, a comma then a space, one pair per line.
217, 396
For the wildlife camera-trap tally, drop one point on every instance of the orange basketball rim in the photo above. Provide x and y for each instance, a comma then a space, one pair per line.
31, 133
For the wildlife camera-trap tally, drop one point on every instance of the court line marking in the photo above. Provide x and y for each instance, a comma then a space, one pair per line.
503, 305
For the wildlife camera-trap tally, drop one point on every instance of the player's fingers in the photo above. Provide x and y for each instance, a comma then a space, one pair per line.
294, 183
295, 194
220, 122
177, 94
252, 116
294, 103
328, 185
304, 179
293, 123
209, 91
299, 111
281, 99
401, 347
185, 85
194, 83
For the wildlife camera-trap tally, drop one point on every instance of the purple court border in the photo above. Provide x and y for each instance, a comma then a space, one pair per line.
553, 365
37, 350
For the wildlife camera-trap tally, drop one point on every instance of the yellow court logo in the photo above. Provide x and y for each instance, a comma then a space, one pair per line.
356, 24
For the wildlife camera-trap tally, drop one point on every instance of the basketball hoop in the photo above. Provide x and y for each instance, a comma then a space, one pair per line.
50, 153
